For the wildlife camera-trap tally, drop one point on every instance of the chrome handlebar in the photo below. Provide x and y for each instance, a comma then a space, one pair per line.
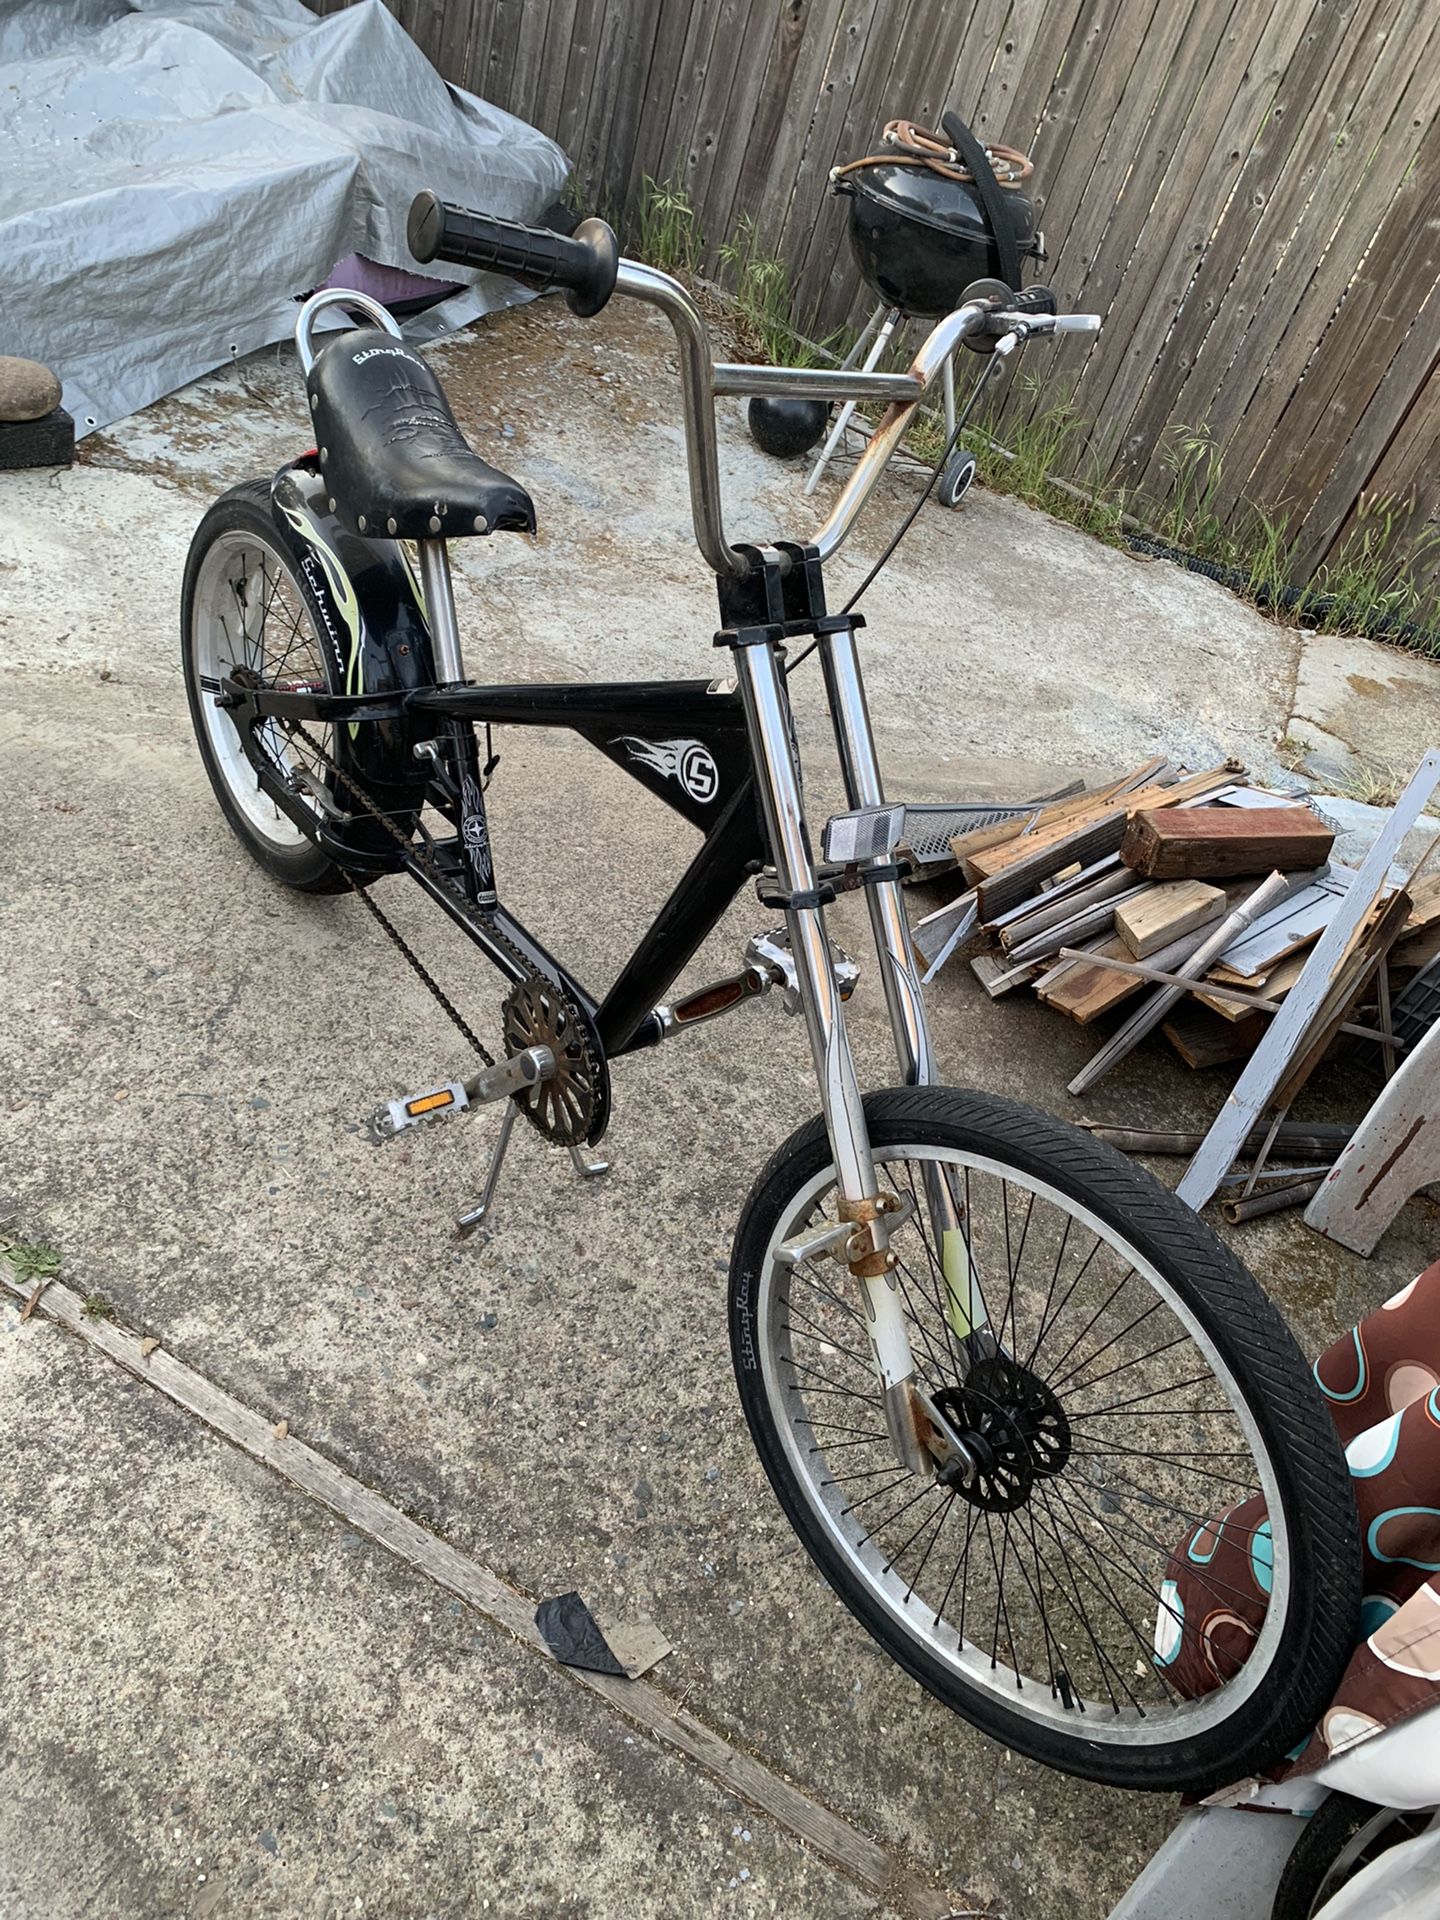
701, 379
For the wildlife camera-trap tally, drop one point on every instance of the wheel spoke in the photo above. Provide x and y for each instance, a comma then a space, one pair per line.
1039, 1582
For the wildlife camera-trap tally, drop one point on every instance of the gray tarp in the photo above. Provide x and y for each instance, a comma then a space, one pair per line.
173, 173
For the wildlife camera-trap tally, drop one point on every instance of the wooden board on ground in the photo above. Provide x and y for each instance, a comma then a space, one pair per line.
1296, 924
1085, 992
1202, 1039
1278, 982
1055, 823
997, 976
1223, 842
1161, 914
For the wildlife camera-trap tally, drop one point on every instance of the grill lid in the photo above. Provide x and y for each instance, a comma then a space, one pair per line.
930, 199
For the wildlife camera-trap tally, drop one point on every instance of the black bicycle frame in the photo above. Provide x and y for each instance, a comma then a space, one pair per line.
685, 741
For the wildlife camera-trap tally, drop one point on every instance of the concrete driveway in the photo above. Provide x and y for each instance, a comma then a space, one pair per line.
216, 1698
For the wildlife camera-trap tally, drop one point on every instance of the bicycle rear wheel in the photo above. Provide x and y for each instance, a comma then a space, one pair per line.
247, 611
1135, 1386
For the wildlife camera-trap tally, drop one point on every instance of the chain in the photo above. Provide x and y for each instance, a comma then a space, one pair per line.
422, 852
426, 979
377, 913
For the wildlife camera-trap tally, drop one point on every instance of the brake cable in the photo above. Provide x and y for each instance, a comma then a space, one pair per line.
963, 420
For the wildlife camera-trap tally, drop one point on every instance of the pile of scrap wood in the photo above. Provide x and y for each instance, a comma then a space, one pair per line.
1154, 878
1215, 907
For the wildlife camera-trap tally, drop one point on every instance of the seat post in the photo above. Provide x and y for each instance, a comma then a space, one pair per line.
440, 611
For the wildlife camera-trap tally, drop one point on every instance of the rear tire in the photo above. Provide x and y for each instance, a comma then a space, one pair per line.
243, 595
1046, 1203
1341, 1837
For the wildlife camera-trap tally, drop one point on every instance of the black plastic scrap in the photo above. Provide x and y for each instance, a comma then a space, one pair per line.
574, 1637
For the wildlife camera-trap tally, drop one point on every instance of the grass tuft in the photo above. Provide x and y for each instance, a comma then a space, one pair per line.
29, 1259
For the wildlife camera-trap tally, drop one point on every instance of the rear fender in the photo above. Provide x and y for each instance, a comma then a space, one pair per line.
373, 626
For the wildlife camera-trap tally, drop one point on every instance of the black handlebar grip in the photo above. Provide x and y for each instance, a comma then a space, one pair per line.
585, 265
1036, 299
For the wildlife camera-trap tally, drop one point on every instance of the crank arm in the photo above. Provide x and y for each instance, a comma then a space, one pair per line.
720, 997
515, 1075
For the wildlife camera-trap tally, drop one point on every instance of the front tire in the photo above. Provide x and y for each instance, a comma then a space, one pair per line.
1029, 1601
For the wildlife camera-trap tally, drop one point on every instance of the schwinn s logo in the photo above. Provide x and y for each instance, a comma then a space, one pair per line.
687, 761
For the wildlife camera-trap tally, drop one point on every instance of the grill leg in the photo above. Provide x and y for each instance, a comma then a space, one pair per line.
886, 324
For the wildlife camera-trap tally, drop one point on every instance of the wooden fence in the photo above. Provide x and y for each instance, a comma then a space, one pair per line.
1249, 190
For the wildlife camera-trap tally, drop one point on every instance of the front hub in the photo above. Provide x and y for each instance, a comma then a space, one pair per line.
1013, 1427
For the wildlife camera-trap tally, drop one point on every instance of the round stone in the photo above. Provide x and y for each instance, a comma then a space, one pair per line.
28, 391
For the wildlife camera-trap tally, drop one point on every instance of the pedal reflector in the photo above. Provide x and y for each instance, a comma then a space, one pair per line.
424, 1103
433, 1103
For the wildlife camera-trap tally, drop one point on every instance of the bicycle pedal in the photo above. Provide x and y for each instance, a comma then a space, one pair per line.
770, 952
414, 1109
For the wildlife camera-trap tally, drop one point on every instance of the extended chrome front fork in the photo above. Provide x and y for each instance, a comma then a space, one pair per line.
915, 1428
900, 978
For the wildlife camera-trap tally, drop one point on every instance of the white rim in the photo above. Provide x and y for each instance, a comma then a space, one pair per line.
236, 597
1097, 1719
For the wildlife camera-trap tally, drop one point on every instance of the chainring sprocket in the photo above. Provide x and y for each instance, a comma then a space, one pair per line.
573, 1106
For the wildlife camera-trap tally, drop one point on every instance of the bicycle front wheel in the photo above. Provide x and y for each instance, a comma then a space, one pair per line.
1131, 1387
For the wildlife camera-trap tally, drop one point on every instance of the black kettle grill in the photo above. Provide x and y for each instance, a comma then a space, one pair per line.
928, 221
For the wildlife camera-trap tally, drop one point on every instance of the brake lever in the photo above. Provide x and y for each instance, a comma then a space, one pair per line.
1022, 325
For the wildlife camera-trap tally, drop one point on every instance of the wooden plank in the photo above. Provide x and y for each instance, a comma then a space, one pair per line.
1068, 901
1085, 989
1092, 840
843, 1846
1205, 945
1355, 970
1317, 1139
1256, 1086
1249, 1002
1415, 950
1224, 842
1234, 1005
1097, 917
1161, 914
997, 977
1068, 817
1279, 140
1293, 925
1203, 1040
1394, 1152
1154, 773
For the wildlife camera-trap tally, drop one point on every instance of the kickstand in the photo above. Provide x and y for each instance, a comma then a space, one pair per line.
474, 1216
